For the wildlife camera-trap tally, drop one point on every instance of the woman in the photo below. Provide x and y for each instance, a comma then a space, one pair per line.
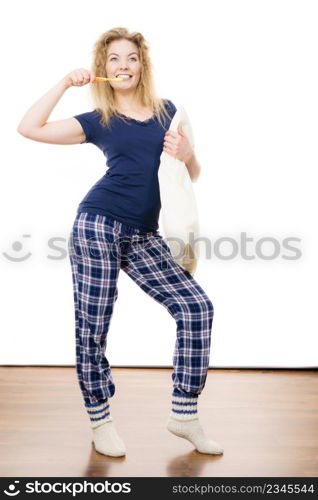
116, 227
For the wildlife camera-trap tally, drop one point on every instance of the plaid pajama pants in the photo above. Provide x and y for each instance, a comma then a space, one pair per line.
99, 246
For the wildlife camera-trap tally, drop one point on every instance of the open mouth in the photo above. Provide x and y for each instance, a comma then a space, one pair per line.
124, 76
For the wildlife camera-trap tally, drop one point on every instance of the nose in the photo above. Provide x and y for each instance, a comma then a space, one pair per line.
122, 63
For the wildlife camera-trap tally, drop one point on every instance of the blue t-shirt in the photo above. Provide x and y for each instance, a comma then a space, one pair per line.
129, 191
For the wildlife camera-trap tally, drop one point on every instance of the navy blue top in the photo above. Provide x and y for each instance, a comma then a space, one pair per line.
129, 191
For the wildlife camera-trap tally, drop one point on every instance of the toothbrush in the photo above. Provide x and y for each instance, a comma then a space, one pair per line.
102, 79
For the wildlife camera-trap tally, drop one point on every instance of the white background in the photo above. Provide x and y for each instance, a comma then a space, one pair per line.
246, 72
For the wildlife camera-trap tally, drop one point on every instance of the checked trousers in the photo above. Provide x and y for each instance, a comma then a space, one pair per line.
99, 247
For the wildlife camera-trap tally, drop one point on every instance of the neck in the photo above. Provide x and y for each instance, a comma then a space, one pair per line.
126, 101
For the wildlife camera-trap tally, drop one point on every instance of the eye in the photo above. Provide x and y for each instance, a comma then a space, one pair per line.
133, 58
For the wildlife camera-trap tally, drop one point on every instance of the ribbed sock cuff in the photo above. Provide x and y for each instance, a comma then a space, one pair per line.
98, 413
184, 406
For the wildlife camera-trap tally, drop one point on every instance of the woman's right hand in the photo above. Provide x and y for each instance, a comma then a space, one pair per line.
79, 77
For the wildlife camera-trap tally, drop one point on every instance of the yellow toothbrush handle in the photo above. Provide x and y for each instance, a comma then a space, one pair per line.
102, 79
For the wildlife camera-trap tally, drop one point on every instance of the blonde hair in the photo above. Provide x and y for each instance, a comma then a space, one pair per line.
102, 94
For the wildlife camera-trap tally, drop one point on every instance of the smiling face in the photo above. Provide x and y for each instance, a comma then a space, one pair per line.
122, 58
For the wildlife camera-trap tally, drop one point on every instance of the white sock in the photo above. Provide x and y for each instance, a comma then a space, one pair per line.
107, 441
98, 413
105, 436
184, 422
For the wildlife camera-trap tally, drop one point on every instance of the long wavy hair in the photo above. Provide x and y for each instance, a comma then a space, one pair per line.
102, 94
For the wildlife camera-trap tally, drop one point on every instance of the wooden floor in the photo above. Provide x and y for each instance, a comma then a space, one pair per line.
266, 420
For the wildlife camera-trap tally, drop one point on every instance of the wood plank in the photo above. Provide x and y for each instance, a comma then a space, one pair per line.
266, 420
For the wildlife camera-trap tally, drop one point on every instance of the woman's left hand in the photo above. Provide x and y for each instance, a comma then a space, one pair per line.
177, 145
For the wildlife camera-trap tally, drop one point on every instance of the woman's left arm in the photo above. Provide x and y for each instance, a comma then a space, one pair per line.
194, 167
177, 145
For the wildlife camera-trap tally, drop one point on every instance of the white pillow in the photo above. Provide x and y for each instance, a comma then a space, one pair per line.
179, 214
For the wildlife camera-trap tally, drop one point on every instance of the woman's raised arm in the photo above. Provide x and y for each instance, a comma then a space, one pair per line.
34, 124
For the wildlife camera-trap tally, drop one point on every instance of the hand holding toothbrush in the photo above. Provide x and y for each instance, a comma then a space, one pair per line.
81, 76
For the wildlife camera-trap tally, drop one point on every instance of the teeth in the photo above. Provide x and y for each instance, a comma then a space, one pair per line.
124, 76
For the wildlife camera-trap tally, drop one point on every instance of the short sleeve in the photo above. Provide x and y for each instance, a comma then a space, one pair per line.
171, 107
85, 120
